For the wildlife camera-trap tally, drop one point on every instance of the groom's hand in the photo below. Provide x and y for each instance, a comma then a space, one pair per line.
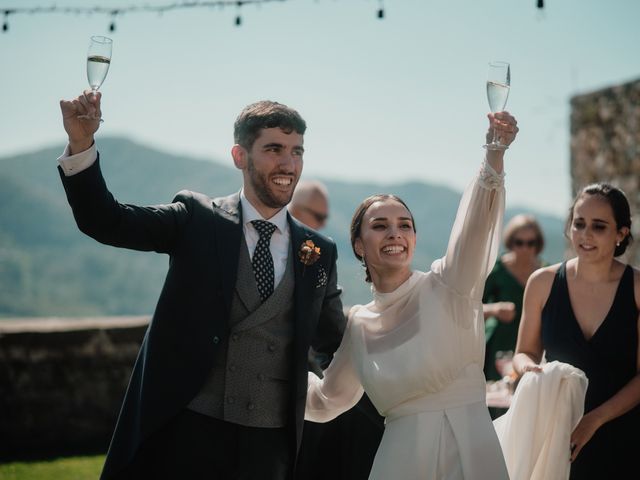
81, 130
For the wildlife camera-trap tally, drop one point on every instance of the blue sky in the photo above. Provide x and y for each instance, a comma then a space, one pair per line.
389, 100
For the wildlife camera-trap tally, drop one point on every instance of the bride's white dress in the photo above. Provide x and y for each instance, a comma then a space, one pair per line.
418, 352
535, 432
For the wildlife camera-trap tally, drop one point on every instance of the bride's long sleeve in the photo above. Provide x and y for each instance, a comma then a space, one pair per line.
339, 390
475, 236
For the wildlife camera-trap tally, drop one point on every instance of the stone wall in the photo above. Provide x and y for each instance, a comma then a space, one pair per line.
605, 145
62, 382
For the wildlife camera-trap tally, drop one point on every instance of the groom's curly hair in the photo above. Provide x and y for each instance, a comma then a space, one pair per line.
265, 114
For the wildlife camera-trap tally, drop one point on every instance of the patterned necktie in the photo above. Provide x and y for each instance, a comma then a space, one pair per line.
262, 261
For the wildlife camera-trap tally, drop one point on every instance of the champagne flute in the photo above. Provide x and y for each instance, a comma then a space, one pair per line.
498, 84
98, 61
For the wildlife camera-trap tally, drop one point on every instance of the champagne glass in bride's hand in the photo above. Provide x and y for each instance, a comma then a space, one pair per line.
98, 61
498, 83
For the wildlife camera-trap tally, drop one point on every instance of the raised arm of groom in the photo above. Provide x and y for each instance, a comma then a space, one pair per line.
219, 387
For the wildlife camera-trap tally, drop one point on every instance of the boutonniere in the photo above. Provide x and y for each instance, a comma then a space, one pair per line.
308, 253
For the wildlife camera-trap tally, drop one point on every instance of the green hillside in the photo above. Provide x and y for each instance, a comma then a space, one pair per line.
49, 268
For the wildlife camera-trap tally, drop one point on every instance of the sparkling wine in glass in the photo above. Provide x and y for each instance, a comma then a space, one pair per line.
498, 84
98, 61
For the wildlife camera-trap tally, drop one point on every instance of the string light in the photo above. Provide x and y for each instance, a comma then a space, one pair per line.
238, 16
381, 11
159, 9
112, 25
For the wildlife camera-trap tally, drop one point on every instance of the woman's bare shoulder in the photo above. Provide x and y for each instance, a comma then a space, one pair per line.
544, 275
539, 285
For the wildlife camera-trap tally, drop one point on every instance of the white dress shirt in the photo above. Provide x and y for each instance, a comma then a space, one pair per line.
279, 240
279, 246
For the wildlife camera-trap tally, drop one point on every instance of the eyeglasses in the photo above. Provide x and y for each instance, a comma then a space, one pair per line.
518, 242
319, 217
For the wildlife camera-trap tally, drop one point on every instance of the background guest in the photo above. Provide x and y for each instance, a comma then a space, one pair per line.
523, 241
310, 203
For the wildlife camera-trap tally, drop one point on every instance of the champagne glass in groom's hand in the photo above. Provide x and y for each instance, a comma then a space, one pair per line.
98, 61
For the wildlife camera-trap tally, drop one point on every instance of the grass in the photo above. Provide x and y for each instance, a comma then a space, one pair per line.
69, 468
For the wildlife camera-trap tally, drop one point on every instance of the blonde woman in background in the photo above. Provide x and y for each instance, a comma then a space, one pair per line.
523, 241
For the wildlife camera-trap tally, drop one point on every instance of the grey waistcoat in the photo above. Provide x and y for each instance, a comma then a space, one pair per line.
249, 383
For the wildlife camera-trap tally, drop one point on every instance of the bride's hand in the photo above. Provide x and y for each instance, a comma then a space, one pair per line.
505, 125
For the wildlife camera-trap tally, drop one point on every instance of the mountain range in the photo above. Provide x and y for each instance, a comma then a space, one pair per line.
49, 268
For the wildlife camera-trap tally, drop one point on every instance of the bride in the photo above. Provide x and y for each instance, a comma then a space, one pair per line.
417, 349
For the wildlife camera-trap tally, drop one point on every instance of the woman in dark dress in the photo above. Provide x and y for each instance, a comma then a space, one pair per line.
504, 288
585, 312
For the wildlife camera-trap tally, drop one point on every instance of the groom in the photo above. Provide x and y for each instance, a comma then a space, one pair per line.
219, 387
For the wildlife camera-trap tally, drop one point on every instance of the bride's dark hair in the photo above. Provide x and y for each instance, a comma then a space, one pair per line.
356, 222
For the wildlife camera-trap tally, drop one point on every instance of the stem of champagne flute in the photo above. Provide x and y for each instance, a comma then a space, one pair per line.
95, 92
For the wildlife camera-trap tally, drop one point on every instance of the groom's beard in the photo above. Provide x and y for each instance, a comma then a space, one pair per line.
264, 189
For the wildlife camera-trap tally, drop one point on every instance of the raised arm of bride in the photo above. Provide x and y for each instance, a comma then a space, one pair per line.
475, 235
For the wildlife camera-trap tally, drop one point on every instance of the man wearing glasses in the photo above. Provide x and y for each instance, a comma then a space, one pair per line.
310, 204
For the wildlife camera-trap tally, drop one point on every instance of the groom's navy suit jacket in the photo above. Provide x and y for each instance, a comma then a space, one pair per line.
202, 236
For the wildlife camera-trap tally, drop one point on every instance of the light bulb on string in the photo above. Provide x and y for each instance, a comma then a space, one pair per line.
380, 12
5, 25
238, 20
112, 25
540, 10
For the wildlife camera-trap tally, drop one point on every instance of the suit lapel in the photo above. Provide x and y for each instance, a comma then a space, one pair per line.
303, 277
229, 235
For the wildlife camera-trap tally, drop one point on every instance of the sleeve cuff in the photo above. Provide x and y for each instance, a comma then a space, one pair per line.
489, 178
73, 164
